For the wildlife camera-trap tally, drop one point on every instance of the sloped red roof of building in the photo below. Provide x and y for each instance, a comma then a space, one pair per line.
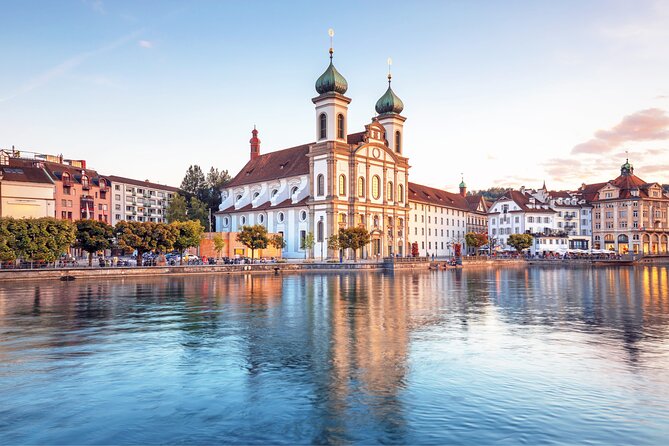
56, 170
25, 174
431, 195
356, 138
270, 166
626, 183
474, 201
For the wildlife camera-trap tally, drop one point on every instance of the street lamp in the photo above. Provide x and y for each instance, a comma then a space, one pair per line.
322, 239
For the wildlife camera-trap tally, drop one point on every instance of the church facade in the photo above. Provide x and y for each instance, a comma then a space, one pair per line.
343, 180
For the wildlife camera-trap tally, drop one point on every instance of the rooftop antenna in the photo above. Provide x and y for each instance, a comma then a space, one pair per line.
331, 34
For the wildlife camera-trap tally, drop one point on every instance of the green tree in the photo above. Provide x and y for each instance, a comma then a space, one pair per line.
276, 241
177, 209
7, 240
216, 180
307, 243
476, 239
188, 234
520, 241
334, 243
219, 244
354, 239
161, 237
194, 184
133, 235
492, 193
198, 210
93, 236
253, 237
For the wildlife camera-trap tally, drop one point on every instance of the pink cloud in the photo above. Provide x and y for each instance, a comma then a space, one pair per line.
645, 125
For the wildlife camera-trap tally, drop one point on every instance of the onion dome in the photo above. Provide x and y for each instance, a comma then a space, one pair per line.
389, 102
462, 184
627, 168
331, 81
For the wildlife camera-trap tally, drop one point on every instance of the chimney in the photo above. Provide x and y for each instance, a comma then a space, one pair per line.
255, 144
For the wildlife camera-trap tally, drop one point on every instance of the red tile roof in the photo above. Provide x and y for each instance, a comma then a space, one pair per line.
626, 183
356, 138
431, 195
270, 166
56, 170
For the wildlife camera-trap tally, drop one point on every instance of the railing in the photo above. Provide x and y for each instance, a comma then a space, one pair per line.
406, 259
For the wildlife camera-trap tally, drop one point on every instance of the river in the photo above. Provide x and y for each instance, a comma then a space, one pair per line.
514, 355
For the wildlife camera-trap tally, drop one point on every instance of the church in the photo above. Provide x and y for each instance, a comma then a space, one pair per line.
344, 180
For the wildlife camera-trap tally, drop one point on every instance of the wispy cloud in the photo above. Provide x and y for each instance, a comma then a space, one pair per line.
645, 125
68, 65
96, 5
145, 44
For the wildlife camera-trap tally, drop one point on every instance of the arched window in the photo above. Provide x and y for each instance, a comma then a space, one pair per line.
256, 195
389, 192
323, 126
84, 182
340, 126
66, 179
293, 191
361, 187
376, 185
319, 231
342, 218
320, 184
342, 184
398, 142
400, 193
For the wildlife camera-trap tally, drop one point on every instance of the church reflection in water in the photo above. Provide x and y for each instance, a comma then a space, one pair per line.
344, 339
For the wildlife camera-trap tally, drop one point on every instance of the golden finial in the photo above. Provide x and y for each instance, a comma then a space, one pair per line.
390, 76
331, 34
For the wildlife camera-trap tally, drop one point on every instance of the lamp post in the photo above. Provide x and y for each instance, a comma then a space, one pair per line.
322, 239
2, 174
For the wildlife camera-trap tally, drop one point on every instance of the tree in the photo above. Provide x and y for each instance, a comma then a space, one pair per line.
414, 249
333, 243
492, 193
194, 183
476, 240
253, 237
216, 180
353, 238
161, 236
177, 209
198, 210
93, 236
520, 241
188, 234
277, 241
7, 240
219, 244
307, 243
133, 235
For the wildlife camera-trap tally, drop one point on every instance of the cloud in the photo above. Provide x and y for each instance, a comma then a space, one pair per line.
68, 65
645, 125
145, 44
96, 5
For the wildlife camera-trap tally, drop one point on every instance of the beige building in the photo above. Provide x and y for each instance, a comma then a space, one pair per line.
26, 192
629, 214
136, 200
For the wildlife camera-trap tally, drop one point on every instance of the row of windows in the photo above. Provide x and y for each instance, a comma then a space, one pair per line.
376, 188
323, 130
440, 209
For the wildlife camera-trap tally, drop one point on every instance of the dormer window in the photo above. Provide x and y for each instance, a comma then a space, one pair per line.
256, 195
274, 192
238, 198
85, 182
293, 191
67, 181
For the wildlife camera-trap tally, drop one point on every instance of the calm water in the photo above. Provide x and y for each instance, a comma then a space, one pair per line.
475, 356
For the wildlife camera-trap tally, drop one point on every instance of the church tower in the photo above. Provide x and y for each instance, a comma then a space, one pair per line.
389, 107
255, 144
331, 104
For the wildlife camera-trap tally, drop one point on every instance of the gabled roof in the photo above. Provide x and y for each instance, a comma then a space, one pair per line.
626, 183
474, 201
25, 175
117, 179
56, 170
431, 195
274, 165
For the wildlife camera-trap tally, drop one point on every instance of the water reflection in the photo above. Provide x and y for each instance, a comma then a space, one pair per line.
521, 354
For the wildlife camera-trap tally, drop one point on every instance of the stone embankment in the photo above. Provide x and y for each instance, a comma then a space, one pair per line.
135, 271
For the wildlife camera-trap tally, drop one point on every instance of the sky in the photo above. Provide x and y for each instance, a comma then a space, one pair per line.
508, 93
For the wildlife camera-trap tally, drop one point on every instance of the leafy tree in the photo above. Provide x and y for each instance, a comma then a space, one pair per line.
353, 238
188, 234
7, 240
253, 237
161, 236
520, 241
93, 236
476, 239
334, 243
277, 241
219, 244
492, 193
177, 209
198, 210
133, 235
414, 249
216, 180
194, 183
307, 243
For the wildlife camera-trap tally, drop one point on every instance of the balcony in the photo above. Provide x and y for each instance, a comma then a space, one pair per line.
85, 185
